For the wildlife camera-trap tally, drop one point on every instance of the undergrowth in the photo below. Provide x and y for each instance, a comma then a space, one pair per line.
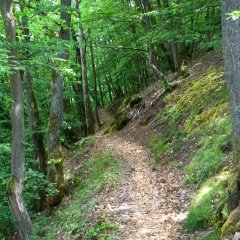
74, 219
197, 123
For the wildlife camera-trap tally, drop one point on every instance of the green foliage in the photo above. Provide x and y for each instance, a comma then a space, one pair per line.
36, 182
72, 219
6, 218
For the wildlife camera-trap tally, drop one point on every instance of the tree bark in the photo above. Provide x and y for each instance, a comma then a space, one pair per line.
15, 183
231, 36
55, 156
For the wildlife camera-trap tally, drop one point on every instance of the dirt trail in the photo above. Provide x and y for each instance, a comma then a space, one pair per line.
149, 203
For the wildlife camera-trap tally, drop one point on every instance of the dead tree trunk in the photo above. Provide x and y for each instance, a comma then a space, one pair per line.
15, 183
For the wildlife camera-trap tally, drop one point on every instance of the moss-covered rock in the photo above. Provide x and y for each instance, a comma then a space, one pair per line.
232, 224
123, 115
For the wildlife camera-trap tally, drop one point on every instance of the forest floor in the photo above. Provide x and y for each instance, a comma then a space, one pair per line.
149, 202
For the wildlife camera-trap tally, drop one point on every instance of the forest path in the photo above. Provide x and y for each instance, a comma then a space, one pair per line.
149, 202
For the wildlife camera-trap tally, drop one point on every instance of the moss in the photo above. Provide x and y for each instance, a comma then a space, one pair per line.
197, 114
52, 123
56, 175
11, 184
207, 203
232, 224
195, 97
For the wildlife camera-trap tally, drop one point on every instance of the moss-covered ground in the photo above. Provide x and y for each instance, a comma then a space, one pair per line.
197, 130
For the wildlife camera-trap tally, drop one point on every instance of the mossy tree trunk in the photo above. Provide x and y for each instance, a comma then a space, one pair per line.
231, 36
15, 183
55, 156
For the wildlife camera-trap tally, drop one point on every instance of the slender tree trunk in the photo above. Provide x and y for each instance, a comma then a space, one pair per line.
15, 183
55, 156
101, 93
231, 36
95, 98
109, 91
88, 113
146, 7
78, 89
32, 108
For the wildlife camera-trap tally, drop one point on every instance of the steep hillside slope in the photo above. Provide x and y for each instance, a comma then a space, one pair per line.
190, 129
137, 178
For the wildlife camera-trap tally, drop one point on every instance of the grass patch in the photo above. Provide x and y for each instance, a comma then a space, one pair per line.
213, 235
212, 152
208, 207
73, 218
159, 147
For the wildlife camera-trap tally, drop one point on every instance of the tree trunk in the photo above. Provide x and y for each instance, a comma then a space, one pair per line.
78, 89
94, 85
146, 7
55, 156
101, 93
231, 36
109, 91
15, 183
88, 113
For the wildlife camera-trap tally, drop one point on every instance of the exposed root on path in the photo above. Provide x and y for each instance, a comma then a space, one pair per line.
149, 202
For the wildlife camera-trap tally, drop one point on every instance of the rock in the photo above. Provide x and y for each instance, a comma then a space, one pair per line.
236, 236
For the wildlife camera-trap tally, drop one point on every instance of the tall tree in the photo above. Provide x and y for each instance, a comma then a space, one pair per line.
55, 155
94, 76
15, 183
83, 51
